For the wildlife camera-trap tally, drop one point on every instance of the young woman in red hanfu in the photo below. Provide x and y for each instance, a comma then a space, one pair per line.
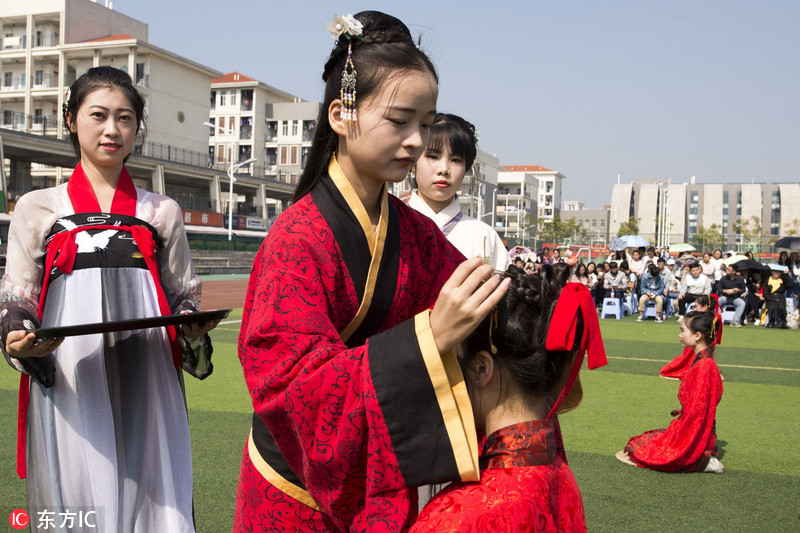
689, 444
358, 396
521, 367
677, 368
104, 414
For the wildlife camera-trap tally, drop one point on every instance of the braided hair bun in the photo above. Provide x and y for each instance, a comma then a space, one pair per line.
523, 319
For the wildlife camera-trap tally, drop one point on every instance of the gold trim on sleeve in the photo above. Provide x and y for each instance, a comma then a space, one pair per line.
277, 480
451, 392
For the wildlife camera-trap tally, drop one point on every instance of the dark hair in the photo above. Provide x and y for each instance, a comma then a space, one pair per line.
706, 301
456, 133
613, 264
592, 263
523, 319
624, 265
701, 322
651, 249
661, 260
653, 269
694, 264
99, 78
386, 51
578, 268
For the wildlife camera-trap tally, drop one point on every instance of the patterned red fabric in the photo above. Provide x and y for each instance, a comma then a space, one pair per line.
690, 440
316, 395
526, 487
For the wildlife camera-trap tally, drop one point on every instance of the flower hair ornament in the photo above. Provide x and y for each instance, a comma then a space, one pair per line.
348, 27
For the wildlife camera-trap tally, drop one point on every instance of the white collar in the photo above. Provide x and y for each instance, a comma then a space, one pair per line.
442, 217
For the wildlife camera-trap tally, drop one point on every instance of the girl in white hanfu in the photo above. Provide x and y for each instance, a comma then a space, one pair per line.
450, 153
107, 430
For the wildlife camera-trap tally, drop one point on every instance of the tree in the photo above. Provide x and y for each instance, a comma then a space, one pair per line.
708, 239
794, 228
750, 230
630, 227
557, 230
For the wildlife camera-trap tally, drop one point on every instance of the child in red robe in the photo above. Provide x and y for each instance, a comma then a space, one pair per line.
689, 444
520, 367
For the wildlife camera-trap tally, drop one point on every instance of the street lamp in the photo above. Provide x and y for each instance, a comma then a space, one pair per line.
231, 170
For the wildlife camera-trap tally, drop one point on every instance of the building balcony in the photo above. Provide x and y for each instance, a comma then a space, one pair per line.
17, 42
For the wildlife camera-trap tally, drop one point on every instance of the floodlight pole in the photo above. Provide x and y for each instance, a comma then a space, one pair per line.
231, 170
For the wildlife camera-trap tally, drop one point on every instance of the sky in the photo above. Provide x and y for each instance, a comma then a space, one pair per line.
597, 90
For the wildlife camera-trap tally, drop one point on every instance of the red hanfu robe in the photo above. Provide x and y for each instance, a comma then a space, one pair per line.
525, 486
690, 440
353, 403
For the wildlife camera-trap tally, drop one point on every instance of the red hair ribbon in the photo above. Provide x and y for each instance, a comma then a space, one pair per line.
574, 298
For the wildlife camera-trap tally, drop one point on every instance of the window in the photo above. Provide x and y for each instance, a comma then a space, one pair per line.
233, 97
247, 99
222, 125
221, 153
602, 223
293, 155
211, 153
222, 98
37, 116
141, 78
6, 79
283, 155
285, 128
294, 128
213, 99
308, 129
304, 157
272, 130
594, 223
38, 77
212, 121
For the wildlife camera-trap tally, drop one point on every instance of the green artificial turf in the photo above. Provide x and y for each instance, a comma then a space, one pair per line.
757, 425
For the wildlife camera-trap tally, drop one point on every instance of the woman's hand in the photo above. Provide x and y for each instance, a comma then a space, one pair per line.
198, 329
21, 344
464, 301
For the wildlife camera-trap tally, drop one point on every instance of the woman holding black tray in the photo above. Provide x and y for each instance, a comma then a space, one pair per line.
103, 424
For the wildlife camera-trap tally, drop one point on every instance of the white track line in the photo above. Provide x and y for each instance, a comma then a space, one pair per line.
718, 364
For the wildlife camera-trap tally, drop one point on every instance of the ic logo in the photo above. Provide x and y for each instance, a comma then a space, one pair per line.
18, 519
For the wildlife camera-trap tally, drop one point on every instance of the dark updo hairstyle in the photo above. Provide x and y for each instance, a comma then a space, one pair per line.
523, 320
702, 322
706, 301
457, 134
100, 78
386, 51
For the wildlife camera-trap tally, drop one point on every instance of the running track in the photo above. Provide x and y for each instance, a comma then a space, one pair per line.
223, 294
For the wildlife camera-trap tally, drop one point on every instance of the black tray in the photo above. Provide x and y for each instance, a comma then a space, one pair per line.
130, 324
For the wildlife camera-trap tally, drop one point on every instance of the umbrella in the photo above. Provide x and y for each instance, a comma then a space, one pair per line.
789, 243
681, 247
634, 241
748, 264
617, 245
518, 250
732, 260
777, 267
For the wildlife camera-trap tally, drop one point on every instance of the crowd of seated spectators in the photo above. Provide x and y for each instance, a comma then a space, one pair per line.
641, 276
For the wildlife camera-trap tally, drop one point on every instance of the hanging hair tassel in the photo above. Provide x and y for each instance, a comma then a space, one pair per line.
347, 93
